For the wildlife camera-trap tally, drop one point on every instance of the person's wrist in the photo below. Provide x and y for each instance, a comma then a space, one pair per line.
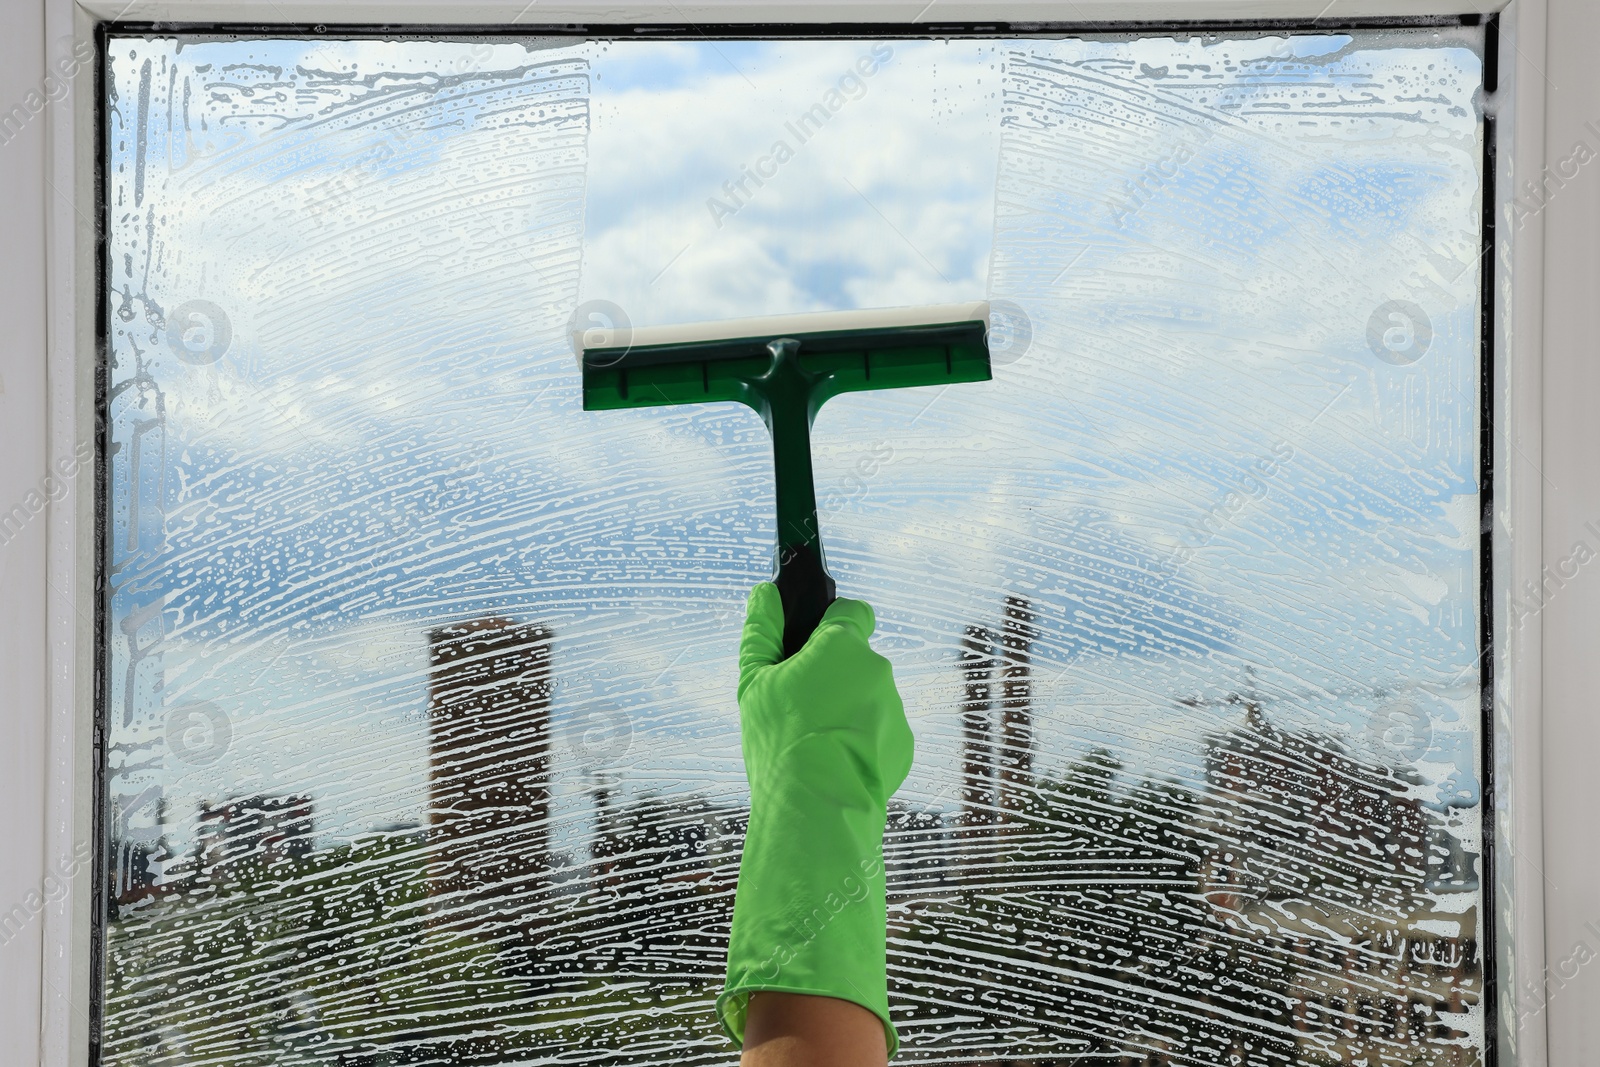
797, 1030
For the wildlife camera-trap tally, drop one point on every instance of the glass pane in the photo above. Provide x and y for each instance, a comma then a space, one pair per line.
421, 739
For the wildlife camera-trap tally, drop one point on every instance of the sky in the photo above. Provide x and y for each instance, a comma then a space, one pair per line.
1233, 451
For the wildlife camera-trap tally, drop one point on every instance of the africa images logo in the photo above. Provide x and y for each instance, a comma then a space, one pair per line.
1399, 332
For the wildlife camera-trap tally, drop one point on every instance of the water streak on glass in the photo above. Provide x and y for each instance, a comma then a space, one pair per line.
421, 744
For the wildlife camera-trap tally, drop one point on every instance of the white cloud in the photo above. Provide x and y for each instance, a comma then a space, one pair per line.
889, 204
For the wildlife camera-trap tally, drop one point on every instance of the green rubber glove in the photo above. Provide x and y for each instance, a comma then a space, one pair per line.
825, 744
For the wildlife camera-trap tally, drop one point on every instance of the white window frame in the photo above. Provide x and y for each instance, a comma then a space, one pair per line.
1546, 451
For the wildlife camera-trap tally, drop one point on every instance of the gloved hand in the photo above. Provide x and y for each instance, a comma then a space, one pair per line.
825, 744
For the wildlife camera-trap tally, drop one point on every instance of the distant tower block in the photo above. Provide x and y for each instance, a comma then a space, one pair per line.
1016, 704
977, 758
607, 846
489, 747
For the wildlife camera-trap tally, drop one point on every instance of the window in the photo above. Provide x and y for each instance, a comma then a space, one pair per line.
420, 743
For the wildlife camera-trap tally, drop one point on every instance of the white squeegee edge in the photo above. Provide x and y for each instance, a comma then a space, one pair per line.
781, 325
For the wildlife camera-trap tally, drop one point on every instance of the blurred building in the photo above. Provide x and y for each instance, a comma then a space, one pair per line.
1015, 762
1451, 868
1289, 812
1331, 864
489, 763
997, 758
140, 853
247, 837
977, 747
655, 899
606, 847
1385, 990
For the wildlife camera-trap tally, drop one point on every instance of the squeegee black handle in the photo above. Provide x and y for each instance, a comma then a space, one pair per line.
807, 589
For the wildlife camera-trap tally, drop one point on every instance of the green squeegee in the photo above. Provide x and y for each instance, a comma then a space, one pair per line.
786, 368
